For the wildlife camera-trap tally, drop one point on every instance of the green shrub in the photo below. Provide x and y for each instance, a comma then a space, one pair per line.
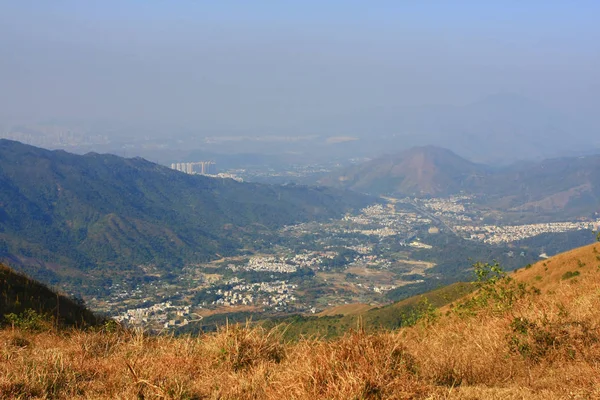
569, 275
495, 288
28, 320
424, 310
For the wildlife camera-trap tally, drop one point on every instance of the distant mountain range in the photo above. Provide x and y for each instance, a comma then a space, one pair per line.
569, 186
499, 129
66, 213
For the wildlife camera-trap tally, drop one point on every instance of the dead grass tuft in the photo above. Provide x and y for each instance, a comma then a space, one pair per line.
358, 365
239, 347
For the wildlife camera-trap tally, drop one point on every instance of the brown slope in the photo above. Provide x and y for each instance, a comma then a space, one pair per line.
581, 263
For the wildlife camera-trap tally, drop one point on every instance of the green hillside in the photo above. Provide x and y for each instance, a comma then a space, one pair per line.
63, 213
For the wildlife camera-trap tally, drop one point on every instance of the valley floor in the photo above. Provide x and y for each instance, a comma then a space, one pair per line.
533, 336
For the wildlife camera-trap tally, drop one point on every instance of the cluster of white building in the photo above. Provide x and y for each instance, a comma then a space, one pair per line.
376, 209
385, 216
447, 205
200, 167
361, 249
265, 264
494, 234
369, 215
419, 245
309, 259
156, 313
277, 293
383, 288
381, 232
377, 289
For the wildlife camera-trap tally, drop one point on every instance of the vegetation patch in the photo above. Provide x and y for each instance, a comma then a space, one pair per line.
569, 275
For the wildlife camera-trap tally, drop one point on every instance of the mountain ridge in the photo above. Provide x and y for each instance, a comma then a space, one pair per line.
569, 185
105, 211
424, 170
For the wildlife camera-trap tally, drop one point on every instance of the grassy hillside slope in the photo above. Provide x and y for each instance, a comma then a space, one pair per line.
551, 274
517, 337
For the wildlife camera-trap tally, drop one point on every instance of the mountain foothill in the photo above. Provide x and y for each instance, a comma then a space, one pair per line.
565, 187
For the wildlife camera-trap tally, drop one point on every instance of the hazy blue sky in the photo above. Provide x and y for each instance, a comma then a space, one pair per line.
278, 66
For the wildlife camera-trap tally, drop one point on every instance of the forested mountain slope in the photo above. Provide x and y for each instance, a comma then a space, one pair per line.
61, 209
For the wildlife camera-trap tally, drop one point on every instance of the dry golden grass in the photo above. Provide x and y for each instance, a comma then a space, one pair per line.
544, 346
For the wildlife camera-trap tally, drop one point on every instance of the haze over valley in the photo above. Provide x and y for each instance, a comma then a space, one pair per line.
315, 83
317, 200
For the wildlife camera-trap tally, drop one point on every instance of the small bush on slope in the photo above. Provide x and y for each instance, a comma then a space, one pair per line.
28, 320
